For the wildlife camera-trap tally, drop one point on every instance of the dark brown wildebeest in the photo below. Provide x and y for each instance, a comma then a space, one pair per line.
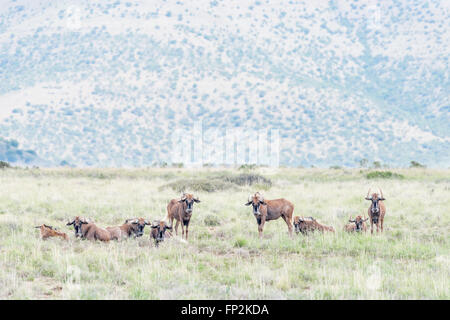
88, 230
131, 227
49, 231
266, 210
376, 211
309, 224
181, 210
356, 225
159, 231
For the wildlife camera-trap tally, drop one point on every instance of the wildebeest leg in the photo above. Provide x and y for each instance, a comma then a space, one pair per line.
371, 226
382, 220
289, 224
182, 229
176, 227
171, 221
187, 228
261, 226
378, 226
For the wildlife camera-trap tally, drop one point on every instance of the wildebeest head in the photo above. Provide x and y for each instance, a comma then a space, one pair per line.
77, 223
137, 226
189, 200
256, 201
375, 206
359, 222
159, 230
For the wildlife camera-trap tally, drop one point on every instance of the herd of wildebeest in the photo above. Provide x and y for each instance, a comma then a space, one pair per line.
181, 210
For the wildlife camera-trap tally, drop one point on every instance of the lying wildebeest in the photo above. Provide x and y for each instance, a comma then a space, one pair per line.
356, 225
309, 224
86, 229
266, 210
159, 231
181, 210
131, 227
376, 211
49, 231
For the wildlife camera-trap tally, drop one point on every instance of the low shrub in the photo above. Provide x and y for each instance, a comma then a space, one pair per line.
211, 221
247, 179
384, 175
202, 185
213, 184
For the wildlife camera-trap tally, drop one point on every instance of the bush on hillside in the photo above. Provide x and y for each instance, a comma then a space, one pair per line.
4, 164
415, 164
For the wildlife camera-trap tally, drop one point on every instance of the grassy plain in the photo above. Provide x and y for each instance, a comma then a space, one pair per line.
224, 258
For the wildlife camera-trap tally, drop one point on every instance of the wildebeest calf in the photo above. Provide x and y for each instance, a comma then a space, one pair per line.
306, 225
131, 227
159, 231
88, 230
49, 231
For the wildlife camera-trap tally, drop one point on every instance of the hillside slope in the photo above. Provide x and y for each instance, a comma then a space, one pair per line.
104, 83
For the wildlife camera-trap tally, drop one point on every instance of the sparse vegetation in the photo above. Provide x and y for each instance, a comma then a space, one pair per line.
224, 258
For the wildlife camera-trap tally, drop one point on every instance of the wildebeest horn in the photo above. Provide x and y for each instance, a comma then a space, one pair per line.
146, 222
37, 226
260, 197
367, 197
183, 196
70, 221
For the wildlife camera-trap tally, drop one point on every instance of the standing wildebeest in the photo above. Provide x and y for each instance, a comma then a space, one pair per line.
265, 210
306, 225
181, 210
131, 227
49, 231
159, 232
377, 210
86, 229
356, 225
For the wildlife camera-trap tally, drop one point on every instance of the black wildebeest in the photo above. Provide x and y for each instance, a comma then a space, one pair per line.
356, 225
159, 231
88, 230
181, 210
376, 211
49, 231
306, 225
131, 227
266, 210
